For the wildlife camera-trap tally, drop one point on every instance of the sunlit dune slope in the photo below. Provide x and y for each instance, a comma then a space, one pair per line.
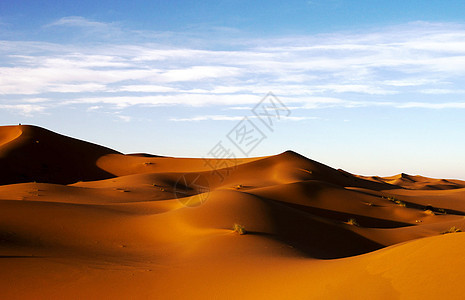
85, 221
418, 182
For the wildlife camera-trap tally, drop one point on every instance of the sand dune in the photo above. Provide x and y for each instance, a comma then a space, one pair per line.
30, 153
81, 221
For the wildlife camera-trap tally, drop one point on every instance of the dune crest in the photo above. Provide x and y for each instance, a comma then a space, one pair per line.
30, 153
84, 220
9, 133
418, 182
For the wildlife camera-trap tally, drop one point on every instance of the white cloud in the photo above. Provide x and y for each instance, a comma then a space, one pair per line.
76, 88
95, 107
440, 91
443, 105
318, 102
197, 73
235, 118
77, 21
23, 109
125, 118
142, 88
240, 108
159, 100
332, 70
315, 103
410, 82
208, 117
354, 88
35, 100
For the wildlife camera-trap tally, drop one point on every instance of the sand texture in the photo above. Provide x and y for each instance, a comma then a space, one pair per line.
82, 221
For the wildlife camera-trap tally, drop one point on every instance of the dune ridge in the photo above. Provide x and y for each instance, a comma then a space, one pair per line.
30, 153
98, 223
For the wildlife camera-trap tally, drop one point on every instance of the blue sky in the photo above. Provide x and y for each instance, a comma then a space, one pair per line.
373, 87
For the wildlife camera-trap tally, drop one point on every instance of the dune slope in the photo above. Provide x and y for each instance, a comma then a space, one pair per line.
30, 153
85, 221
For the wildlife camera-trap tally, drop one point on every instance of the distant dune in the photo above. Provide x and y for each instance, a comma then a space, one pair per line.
81, 221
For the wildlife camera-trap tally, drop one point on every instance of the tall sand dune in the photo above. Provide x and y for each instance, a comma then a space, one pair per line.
30, 153
81, 221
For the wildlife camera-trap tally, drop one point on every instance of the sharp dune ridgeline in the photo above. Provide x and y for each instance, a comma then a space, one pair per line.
82, 221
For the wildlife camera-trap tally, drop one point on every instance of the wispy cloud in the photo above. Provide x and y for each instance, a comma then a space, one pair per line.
124, 118
236, 118
78, 22
163, 100
23, 109
440, 91
333, 70
207, 118
442, 105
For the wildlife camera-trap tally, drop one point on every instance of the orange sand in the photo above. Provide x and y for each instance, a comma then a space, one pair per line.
81, 221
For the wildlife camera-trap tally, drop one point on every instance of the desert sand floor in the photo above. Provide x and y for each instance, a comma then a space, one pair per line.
81, 221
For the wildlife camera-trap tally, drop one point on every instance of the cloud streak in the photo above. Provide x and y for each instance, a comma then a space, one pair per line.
23, 109
235, 118
396, 66
77, 21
